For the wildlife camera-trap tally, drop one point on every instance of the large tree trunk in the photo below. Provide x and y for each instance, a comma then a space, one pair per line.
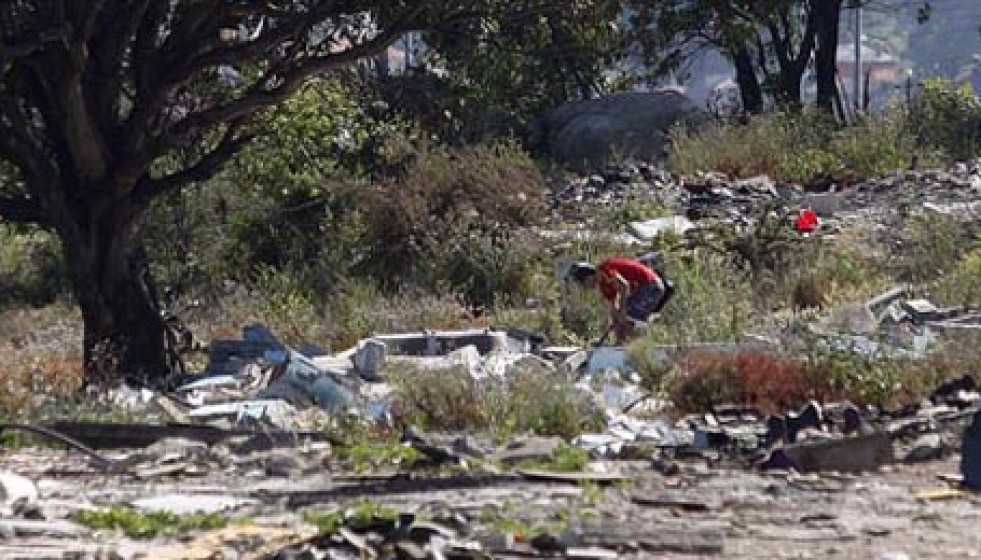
749, 85
124, 330
826, 15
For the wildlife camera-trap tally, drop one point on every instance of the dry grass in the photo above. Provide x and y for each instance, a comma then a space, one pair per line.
42, 358
526, 401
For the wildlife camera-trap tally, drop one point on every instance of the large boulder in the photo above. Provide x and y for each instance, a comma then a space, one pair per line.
626, 125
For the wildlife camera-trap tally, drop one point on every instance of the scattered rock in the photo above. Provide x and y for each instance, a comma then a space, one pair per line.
926, 448
632, 125
530, 449
863, 453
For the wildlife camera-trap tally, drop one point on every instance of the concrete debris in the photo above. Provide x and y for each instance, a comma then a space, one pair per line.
855, 454
529, 449
927, 447
16, 492
649, 229
185, 504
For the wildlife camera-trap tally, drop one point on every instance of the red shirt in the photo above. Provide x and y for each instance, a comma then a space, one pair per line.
632, 271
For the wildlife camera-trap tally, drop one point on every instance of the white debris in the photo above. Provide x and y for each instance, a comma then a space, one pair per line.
16, 491
649, 229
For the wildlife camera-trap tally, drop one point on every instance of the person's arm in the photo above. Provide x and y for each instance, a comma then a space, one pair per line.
619, 305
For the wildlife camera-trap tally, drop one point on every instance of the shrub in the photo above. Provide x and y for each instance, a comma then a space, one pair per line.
713, 301
947, 117
456, 210
756, 378
960, 286
525, 401
933, 245
32, 269
798, 147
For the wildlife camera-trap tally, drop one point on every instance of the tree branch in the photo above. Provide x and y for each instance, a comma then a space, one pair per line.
20, 47
293, 77
21, 210
231, 142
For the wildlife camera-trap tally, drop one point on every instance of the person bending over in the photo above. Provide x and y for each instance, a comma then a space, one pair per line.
632, 290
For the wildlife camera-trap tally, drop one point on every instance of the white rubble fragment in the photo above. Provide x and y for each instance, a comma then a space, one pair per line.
186, 504
649, 229
276, 412
16, 490
605, 358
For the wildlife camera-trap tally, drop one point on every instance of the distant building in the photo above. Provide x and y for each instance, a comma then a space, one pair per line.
878, 63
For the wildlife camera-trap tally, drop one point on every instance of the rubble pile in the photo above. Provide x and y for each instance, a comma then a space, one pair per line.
264, 433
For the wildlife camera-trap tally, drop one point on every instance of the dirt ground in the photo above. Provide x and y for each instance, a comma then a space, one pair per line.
877, 515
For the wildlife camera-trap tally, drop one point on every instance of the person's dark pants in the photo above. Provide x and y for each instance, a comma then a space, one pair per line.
645, 301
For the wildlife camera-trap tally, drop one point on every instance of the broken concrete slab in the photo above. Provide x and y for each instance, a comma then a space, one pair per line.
693, 540
439, 343
28, 527
530, 449
863, 453
268, 412
132, 436
303, 384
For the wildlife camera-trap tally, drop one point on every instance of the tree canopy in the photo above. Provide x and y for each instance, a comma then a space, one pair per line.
96, 96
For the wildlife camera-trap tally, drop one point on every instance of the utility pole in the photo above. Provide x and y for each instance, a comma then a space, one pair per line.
857, 88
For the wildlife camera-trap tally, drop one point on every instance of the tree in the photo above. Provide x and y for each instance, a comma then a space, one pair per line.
521, 67
771, 43
97, 97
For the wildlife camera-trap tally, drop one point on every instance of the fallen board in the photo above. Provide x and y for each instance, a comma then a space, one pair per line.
130, 436
572, 477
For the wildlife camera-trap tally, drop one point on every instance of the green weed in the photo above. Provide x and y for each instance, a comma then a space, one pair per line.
139, 525
564, 458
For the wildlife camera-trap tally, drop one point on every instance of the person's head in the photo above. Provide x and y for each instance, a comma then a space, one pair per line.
583, 274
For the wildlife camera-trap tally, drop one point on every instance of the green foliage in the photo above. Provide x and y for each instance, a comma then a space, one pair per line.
327, 523
139, 525
933, 245
713, 303
947, 117
798, 147
564, 458
366, 455
32, 269
357, 514
453, 219
503, 71
960, 285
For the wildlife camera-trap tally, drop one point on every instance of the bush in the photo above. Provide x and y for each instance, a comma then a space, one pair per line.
525, 401
775, 383
713, 301
453, 220
798, 147
947, 117
32, 268
756, 378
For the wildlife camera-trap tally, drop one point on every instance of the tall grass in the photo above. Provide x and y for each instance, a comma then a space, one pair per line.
798, 147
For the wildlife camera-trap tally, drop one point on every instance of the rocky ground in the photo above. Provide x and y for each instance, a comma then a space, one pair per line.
899, 511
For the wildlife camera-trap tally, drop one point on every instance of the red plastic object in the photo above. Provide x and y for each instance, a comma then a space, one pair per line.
807, 221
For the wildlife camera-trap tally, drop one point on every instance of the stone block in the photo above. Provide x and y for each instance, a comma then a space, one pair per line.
863, 453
